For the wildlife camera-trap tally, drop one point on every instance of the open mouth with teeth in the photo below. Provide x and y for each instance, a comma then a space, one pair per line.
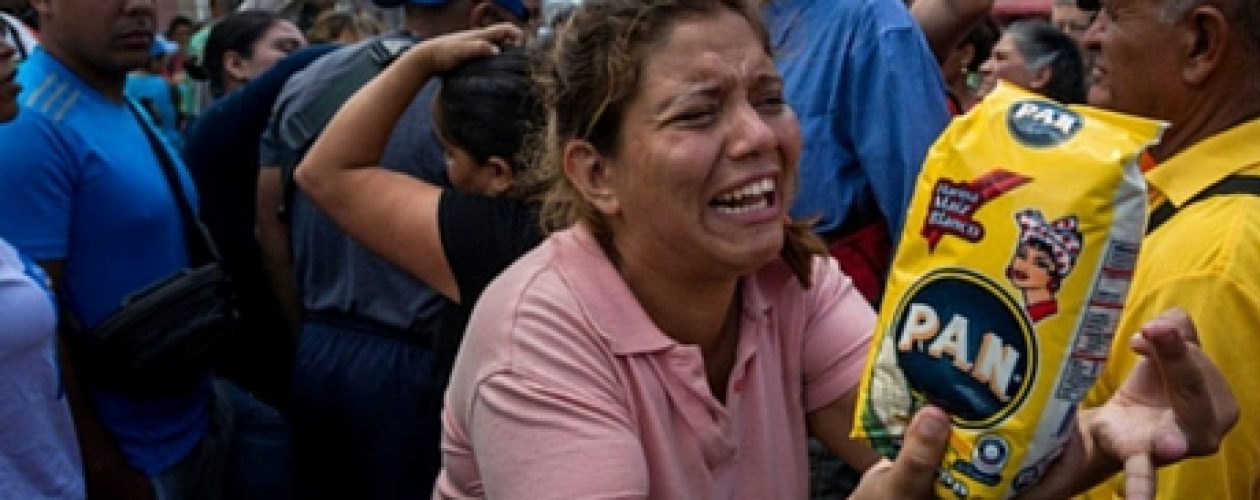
753, 196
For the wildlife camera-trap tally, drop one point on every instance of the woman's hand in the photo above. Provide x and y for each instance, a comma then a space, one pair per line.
448, 51
1174, 405
913, 475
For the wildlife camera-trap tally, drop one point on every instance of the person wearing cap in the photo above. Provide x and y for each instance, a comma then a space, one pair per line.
147, 86
1196, 65
366, 395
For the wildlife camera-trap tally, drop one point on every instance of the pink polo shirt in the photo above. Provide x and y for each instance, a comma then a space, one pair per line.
565, 389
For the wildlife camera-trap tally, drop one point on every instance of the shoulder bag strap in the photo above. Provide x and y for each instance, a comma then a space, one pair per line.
1234, 184
201, 248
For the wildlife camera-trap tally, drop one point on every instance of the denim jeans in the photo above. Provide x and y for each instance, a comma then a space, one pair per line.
245, 455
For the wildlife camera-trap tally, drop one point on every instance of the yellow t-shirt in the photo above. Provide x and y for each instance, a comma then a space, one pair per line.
1206, 260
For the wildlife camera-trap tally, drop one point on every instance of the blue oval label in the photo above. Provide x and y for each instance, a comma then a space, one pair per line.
966, 346
1042, 124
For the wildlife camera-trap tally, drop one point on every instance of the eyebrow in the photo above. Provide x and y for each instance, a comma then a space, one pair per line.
705, 87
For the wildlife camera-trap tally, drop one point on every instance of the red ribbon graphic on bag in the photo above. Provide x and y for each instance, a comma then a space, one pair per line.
954, 204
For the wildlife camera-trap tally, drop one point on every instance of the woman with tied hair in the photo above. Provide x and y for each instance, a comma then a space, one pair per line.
243, 45
676, 335
454, 240
1038, 57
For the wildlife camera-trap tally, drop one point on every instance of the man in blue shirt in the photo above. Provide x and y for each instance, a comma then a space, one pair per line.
871, 101
82, 192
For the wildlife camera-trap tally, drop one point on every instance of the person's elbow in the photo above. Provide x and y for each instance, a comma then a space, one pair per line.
309, 176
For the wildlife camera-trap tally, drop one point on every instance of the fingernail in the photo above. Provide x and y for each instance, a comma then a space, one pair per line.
934, 424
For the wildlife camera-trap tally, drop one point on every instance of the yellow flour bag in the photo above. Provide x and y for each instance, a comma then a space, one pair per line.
1007, 285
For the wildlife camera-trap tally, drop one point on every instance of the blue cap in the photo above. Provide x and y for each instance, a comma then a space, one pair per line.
516, 7
162, 47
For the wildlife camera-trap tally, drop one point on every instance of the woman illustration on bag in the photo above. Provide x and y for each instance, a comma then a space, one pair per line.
1045, 255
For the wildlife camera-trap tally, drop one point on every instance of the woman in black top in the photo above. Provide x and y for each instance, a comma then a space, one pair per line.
457, 240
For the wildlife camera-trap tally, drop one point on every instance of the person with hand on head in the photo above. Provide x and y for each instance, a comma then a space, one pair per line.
454, 240
39, 457
1196, 65
677, 335
1038, 57
366, 385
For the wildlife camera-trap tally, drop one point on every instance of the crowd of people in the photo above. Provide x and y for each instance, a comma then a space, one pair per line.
635, 256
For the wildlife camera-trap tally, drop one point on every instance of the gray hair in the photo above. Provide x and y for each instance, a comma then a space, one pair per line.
1243, 15
1044, 46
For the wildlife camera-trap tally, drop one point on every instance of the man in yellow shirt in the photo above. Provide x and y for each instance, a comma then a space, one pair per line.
1196, 64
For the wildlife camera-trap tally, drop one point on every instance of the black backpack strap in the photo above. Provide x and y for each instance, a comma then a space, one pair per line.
1234, 184
196, 237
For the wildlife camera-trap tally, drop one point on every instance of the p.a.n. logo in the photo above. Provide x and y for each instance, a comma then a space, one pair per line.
965, 345
1042, 124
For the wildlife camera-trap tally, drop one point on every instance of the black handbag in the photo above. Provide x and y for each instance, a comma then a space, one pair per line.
160, 339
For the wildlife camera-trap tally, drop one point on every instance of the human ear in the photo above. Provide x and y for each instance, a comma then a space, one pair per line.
1205, 40
591, 174
501, 175
234, 65
1041, 78
966, 54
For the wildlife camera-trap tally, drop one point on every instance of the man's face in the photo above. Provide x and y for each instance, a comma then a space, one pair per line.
1071, 20
8, 87
1131, 73
113, 36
